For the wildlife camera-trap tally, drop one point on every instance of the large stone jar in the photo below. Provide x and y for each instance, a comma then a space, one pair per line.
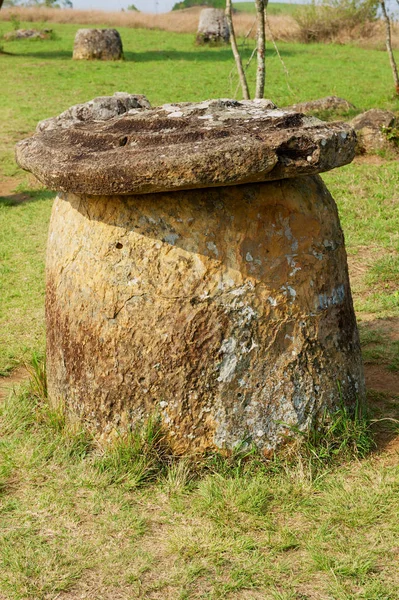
213, 28
100, 44
196, 270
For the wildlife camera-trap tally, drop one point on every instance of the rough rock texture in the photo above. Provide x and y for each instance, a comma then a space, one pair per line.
369, 128
330, 103
213, 27
184, 146
227, 311
98, 109
22, 34
102, 44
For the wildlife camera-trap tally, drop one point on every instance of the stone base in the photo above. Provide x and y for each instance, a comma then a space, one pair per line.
226, 311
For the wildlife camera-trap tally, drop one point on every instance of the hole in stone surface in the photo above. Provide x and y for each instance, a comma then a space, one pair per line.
123, 141
119, 245
239, 395
296, 149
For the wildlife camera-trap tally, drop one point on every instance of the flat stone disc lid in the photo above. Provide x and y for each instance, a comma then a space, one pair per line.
183, 146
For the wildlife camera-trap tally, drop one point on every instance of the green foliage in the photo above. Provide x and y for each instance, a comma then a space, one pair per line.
392, 134
326, 20
132, 7
190, 3
15, 22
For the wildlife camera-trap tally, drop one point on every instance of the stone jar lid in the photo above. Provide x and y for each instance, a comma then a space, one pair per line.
183, 146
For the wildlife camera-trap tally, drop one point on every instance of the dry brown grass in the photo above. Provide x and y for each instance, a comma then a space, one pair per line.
182, 21
283, 27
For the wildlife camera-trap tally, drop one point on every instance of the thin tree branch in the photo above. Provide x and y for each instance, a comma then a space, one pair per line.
234, 69
388, 43
246, 67
237, 57
260, 44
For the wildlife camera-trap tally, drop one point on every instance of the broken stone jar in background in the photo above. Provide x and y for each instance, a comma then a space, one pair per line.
212, 27
196, 270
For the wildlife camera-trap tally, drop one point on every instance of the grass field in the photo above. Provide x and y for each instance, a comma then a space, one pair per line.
80, 523
273, 8
42, 80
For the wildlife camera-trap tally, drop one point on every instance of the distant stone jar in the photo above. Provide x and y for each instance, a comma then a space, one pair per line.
372, 128
196, 270
212, 28
97, 44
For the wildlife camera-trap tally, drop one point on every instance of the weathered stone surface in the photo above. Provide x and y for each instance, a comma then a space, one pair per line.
227, 311
369, 128
22, 34
101, 44
98, 109
213, 27
184, 146
329, 103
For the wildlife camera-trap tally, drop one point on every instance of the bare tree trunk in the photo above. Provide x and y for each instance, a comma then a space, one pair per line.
389, 46
261, 48
237, 57
1, 3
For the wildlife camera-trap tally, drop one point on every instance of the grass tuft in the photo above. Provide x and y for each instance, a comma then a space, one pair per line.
38, 376
340, 437
137, 457
178, 477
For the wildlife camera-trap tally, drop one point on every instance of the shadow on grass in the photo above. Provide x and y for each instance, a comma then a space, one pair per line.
19, 198
196, 55
46, 54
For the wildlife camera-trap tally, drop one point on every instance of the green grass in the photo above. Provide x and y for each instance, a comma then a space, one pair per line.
23, 232
76, 520
42, 81
130, 521
367, 196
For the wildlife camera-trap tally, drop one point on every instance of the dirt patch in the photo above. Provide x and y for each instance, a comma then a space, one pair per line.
7, 186
370, 159
388, 327
383, 396
9, 383
381, 380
